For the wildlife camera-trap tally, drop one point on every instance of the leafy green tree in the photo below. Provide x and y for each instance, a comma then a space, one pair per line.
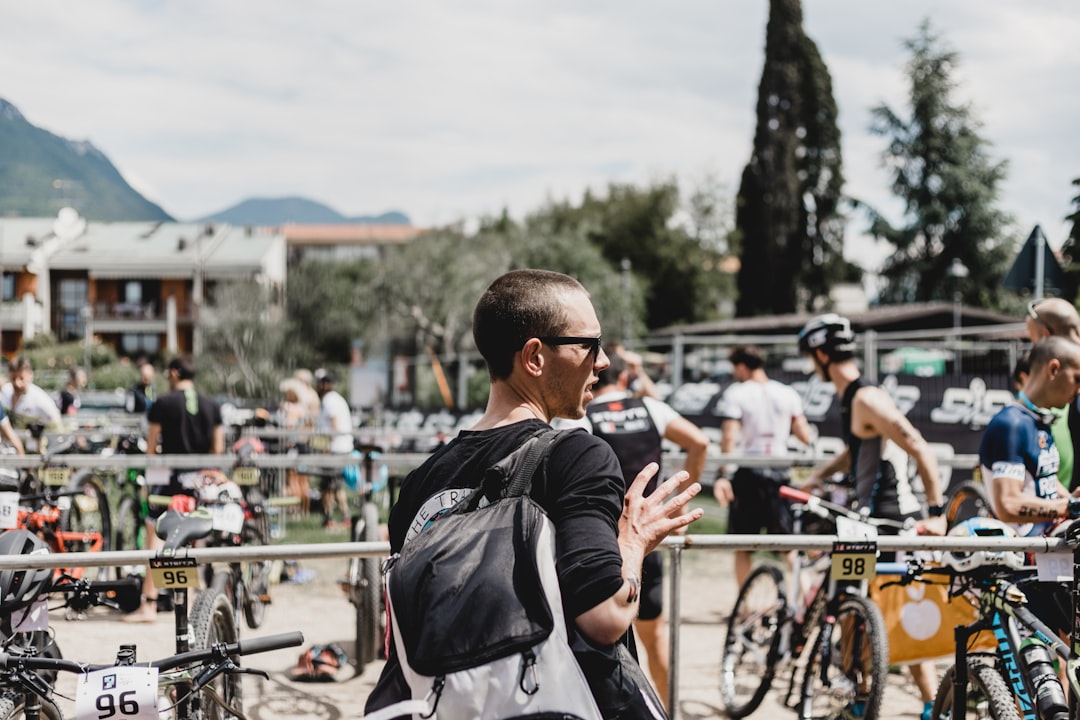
942, 171
1070, 250
677, 274
241, 341
329, 304
787, 210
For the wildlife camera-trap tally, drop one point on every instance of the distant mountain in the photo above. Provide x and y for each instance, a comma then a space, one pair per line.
41, 173
278, 211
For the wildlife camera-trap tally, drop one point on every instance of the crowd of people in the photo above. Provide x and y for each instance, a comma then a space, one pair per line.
605, 492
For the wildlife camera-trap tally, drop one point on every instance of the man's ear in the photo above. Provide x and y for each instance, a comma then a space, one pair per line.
532, 357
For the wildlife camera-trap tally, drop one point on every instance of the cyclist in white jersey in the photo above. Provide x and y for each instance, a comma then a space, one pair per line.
26, 403
762, 414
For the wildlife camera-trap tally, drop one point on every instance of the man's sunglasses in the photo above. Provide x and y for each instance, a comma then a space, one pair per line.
592, 342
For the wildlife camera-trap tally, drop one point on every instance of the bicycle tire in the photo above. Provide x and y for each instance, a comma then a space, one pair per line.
834, 680
256, 573
12, 707
212, 621
967, 500
987, 695
129, 531
752, 644
88, 512
367, 575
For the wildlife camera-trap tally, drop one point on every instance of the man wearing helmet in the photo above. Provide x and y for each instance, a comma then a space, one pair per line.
877, 436
1018, 457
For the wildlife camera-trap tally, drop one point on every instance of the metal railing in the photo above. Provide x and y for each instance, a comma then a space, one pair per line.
673, 545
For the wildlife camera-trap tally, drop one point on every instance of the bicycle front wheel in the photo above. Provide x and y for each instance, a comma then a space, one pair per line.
987, 694
751, 648
213, 621
366, 579
130, 531
846, 675
88, 514
256, 572
13, 707
968, 500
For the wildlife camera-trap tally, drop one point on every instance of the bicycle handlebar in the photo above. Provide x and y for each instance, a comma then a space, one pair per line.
820, 506
241, 647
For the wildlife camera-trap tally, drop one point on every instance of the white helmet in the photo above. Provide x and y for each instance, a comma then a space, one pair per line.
963, 561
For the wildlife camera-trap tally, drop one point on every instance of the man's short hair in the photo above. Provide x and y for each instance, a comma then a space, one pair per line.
747, 355
184, 368
19, 364
1054, 347
519, 305
324, 376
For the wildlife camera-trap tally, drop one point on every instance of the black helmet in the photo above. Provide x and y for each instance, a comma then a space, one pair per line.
830, 333
20, 588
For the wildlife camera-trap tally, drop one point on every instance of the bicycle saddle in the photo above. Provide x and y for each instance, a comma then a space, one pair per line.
180, 529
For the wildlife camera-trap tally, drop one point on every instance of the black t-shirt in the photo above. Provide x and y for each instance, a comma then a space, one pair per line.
187, 421
582, 494
67, 400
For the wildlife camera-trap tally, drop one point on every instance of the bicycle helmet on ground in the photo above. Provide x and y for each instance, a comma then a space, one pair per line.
20, 588
830, 333
984, 527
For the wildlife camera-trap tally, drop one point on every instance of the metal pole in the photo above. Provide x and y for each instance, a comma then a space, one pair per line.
673, 633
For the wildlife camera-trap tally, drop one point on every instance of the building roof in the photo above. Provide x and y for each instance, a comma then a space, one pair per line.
146, 249
886, 318
349, 234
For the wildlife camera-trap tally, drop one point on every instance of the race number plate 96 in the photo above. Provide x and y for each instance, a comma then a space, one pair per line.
174, 572
854, 560
125, 692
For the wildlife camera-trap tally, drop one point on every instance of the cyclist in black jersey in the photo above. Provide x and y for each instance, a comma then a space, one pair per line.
878, 440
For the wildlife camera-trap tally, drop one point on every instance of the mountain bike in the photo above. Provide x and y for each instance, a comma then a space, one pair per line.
183, 683
1016, 678
821, 631
233, 522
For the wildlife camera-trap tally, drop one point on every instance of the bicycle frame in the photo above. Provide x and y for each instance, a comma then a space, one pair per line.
1001, 612
46, 523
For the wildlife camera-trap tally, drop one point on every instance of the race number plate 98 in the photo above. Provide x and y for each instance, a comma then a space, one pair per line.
174, 572
854, 560
245, 476
55, 476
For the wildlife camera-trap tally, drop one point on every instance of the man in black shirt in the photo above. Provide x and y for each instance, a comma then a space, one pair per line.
540, 338
183, 422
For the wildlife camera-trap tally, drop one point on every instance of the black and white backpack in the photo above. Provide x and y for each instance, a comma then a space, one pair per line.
475, 609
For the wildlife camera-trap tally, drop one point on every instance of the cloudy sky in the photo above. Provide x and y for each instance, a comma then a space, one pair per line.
452, 110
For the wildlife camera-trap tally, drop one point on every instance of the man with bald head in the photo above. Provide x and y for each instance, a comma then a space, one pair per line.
1018, 457
1055, 317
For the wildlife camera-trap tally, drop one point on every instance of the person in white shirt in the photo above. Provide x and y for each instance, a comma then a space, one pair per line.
760, 414
335, 420
26, 403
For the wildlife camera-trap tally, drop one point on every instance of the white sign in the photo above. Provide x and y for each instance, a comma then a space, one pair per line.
228, 518
9, 510
124, 692
1054, 567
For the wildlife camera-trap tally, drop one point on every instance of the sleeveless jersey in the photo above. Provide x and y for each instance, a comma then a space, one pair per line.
878, 467
627, 425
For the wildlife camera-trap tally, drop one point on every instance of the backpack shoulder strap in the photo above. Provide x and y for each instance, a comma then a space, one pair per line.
534, 451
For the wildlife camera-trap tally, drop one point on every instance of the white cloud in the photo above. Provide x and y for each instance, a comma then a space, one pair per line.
451, 110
